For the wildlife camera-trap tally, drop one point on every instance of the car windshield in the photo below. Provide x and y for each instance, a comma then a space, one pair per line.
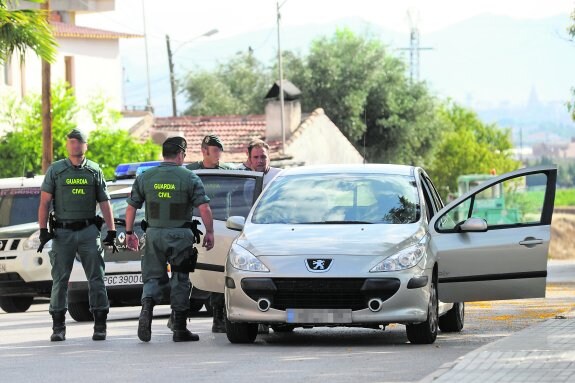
339, 199
18, 206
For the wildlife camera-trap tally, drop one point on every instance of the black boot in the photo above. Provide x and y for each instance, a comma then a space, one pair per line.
181, 333
58, 326
145, 322
99, 325
218, 324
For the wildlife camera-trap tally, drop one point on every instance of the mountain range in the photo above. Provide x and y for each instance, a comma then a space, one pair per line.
514, 72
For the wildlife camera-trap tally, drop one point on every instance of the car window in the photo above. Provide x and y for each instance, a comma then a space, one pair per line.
229, 196
119, 205
515, 201
18, 206
339, 198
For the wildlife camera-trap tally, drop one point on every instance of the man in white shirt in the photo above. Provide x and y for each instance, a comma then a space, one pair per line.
259, 160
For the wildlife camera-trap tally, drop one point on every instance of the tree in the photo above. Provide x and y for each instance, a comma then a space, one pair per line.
468, 146
25, 28
235, 87
366, 93
21, 149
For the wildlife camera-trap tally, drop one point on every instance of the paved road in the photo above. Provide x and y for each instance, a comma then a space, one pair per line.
314, 355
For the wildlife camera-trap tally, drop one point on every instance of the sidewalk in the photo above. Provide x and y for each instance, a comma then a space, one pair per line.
542, 353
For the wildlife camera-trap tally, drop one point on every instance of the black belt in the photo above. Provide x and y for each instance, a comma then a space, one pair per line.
75, 225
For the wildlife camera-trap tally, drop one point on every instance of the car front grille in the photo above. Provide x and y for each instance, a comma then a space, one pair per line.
9, 244
10, 277
319, 293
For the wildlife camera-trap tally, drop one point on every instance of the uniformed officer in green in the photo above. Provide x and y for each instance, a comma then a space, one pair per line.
212, 149
170, 193
74, 186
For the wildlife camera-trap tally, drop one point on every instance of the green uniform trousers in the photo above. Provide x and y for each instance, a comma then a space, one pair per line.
86, 244
163, 244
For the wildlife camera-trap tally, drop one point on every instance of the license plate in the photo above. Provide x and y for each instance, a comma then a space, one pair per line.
2, 267
318, 315
123, 279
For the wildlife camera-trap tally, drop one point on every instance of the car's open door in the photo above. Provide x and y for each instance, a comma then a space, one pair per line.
232, 193
492, 242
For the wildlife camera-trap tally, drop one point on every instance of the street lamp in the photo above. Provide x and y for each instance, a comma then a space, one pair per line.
281, 78
171, 64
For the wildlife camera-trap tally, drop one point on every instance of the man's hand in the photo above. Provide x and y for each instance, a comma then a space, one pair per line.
208, 240
45, 237
132, 242
110, 240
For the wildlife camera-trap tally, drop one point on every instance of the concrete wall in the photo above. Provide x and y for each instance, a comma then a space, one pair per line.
318, 141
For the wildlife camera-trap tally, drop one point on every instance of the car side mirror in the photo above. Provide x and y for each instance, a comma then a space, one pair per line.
473, 225
236, 222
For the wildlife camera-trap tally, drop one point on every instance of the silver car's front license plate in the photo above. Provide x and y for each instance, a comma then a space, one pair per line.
318, 315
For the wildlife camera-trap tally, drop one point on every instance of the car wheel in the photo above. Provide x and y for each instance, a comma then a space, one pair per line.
16, 304
80, 311
453, 320
282, 327
241, 332
426, 332
196, 305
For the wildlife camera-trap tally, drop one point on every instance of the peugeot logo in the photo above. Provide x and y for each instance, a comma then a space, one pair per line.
318, 265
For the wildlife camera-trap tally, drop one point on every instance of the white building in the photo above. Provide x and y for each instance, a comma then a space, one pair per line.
88, 59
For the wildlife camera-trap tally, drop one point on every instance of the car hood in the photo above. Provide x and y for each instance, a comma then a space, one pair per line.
18, 231
316, 240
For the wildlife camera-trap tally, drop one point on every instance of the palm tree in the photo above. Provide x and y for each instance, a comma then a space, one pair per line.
22, 29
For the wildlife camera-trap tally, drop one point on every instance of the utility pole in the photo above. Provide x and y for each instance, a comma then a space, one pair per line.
281, 76
172, 79
47, 148
171, 64
414, 47
149, 106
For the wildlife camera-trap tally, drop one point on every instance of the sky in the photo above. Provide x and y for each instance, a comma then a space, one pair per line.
186, 20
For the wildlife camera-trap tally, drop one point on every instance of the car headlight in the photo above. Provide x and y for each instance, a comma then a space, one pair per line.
405, 259
242, 259
33, 242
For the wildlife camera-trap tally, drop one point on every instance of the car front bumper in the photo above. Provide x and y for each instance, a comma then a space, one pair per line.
402, 301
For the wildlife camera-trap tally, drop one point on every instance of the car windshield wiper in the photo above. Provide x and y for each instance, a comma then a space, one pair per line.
335, 222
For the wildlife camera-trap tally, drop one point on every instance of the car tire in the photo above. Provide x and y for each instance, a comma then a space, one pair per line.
426, 332
80, 311
15, 304
283, 327
454, 319
241, 332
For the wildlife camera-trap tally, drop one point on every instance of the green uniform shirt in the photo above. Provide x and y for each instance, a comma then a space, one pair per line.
170, 193
200, 165
75, 189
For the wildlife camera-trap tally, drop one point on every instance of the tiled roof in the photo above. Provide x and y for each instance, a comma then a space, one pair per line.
78, 32
234, 131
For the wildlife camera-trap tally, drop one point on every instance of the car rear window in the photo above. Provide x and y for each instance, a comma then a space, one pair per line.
339, 198
18, 206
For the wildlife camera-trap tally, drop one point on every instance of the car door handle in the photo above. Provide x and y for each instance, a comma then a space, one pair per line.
531, 242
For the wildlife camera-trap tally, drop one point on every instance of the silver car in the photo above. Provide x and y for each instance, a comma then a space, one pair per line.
370, 245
